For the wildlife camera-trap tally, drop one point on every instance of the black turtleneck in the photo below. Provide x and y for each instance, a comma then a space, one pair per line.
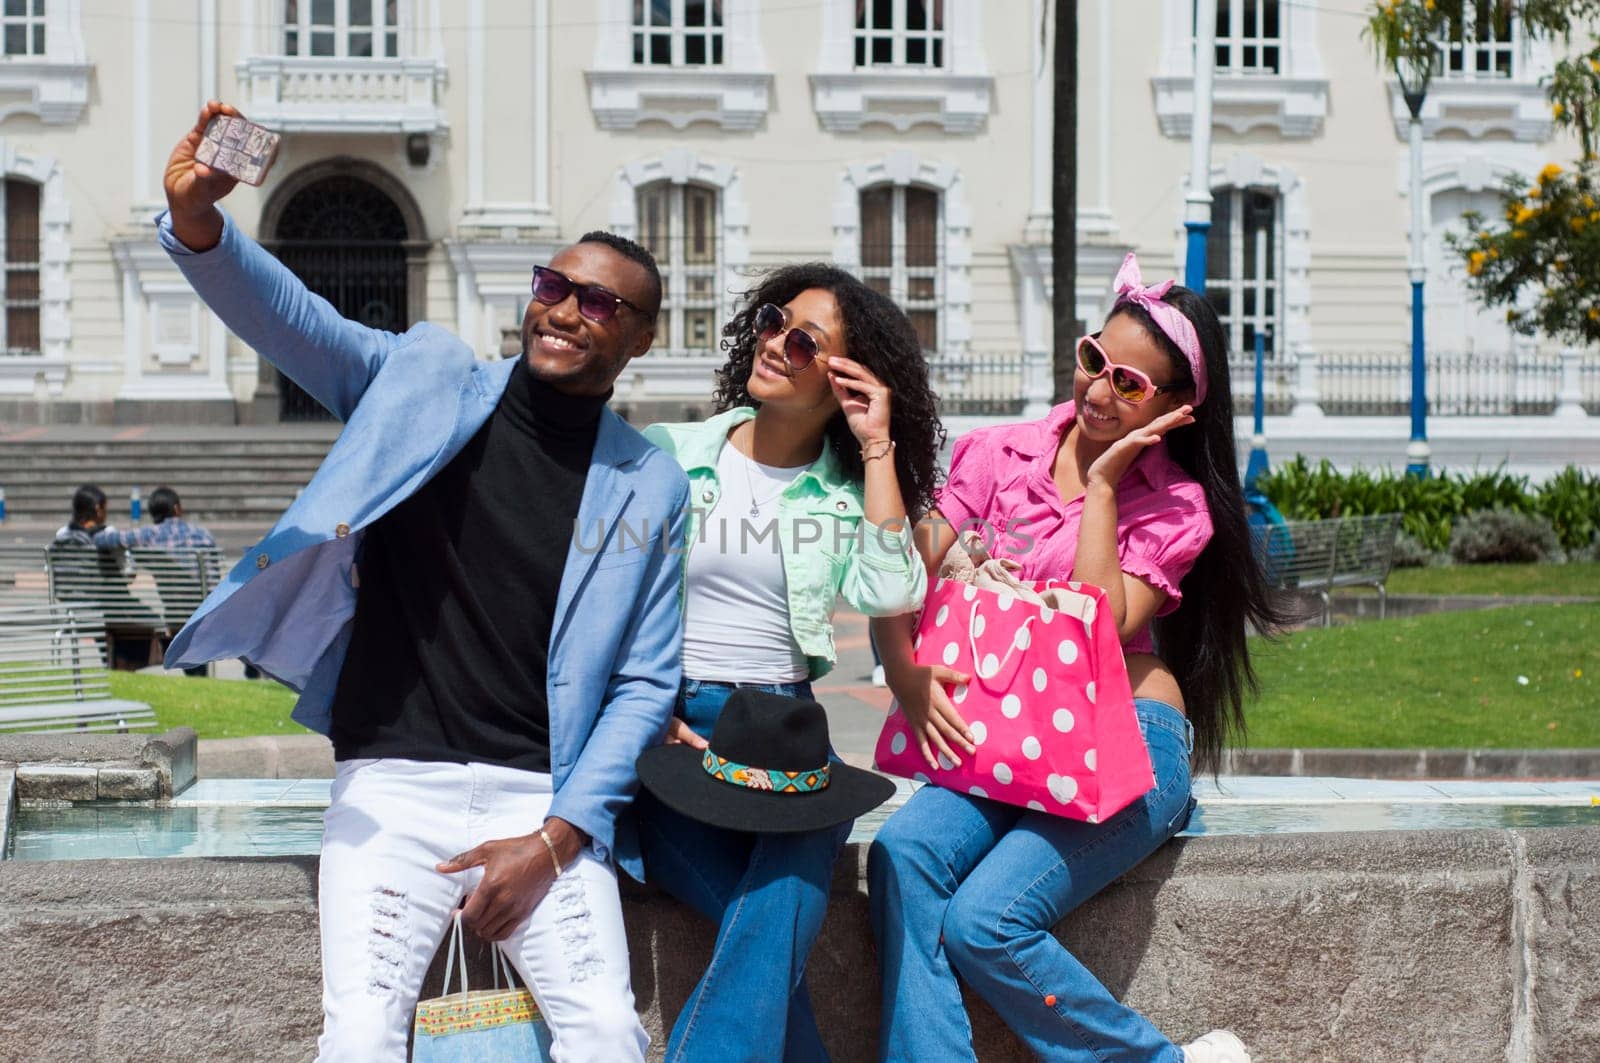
458, 588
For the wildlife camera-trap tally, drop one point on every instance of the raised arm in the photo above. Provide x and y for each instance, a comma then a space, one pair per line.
254, 294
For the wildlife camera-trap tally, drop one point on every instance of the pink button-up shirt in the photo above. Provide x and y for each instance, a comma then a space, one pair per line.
1001, 485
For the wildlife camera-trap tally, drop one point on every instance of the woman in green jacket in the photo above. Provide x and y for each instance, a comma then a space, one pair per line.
802, 488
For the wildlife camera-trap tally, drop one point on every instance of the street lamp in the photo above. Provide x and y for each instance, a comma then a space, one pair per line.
1197, 201
1414, 69
1258, 440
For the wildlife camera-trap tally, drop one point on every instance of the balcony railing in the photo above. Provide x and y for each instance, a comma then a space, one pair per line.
338, 95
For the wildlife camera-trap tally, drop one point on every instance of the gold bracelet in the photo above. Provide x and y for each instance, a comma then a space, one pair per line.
886, 444
548, 844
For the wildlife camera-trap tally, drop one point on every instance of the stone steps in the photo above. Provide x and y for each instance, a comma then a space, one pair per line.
241, 480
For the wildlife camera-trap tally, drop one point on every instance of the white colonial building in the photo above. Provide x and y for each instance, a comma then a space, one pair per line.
433, 151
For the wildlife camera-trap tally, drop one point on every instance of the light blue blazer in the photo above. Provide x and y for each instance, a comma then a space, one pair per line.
410, 402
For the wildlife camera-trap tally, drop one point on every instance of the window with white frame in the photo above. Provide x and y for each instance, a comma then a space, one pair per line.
22, 27
20, 216
1249, 37
900, 33
677, 32
354, 29
1244, 265
1480, 45
679, 224
900, 252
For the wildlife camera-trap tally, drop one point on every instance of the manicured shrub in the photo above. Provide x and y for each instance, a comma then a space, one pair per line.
1430, 506
1411, 552
1501, 535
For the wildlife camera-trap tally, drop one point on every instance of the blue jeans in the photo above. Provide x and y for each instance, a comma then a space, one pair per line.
964, 885
767, 893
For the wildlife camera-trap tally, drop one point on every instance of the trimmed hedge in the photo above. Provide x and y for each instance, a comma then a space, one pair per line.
1430, 507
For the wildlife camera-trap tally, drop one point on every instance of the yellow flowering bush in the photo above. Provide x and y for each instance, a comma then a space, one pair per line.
1542, 262
1543, 265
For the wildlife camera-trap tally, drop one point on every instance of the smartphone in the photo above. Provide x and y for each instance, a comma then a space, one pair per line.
239, 148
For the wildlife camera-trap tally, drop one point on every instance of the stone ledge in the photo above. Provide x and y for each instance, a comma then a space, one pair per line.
1416, 763
310, 756
129, 784
57, 782
52, 767
8, 800
1467, 945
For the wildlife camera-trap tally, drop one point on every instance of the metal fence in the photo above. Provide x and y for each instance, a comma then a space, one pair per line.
1277, 383
1524, 383
1515, 383
979, 384
1343, 383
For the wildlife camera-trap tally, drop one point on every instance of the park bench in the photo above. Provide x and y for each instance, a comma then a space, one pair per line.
23, 577
145, 600
53, 673
1320, 556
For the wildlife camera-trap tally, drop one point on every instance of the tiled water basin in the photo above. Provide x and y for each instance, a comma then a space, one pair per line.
276, 817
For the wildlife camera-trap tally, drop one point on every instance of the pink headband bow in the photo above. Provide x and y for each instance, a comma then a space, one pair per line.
1168, 318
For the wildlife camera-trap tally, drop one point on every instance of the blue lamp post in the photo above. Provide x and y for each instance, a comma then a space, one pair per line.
1415, 72
1258, 440
1197, 203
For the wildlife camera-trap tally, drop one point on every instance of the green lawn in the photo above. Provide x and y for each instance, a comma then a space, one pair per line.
1574, 580
1445, 680
215, 708
1448, 680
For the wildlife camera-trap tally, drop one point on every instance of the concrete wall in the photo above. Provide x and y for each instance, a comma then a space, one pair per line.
1461, 946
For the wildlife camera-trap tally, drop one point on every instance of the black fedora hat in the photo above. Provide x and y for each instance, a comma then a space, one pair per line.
765, 771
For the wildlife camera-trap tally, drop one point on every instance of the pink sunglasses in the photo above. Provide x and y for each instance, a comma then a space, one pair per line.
1127, 383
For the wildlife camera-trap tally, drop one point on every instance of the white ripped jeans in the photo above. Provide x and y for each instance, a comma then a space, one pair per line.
384, 910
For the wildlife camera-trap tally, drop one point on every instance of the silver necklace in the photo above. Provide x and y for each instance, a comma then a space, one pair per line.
755, 504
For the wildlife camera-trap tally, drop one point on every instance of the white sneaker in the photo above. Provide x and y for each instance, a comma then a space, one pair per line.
877, 676
1218, 1046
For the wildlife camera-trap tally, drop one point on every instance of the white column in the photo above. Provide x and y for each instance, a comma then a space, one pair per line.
208, 50
1307, 387
1197, 203
1037, 229
1037, 370
247, 28
1097, 219
143, 182
1569, 400
541, 111
476, 74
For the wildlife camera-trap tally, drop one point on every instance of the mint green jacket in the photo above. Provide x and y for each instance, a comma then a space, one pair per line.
873, 569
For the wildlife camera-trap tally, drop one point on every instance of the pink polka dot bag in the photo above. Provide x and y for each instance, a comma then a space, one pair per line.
1049, 703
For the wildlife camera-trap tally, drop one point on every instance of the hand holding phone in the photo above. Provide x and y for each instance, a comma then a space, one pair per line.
238, 147
194, 186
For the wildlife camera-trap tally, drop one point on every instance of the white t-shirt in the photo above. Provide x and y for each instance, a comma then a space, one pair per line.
736, 603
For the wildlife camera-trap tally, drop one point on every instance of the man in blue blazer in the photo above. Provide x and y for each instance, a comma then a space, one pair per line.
488, 676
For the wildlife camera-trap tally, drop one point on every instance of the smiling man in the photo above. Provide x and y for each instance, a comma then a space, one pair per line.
487, 684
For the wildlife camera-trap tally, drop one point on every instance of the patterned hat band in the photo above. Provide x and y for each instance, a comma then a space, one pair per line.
771, 779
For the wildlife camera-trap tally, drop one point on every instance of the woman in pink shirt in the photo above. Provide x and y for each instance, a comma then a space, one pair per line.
1132, 486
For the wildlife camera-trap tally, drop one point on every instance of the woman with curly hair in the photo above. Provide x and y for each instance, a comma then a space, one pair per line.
803, 488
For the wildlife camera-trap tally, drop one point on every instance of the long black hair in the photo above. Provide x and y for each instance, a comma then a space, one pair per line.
879, 336
1203, 640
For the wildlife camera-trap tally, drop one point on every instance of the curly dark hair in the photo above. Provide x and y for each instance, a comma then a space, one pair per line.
879, 336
